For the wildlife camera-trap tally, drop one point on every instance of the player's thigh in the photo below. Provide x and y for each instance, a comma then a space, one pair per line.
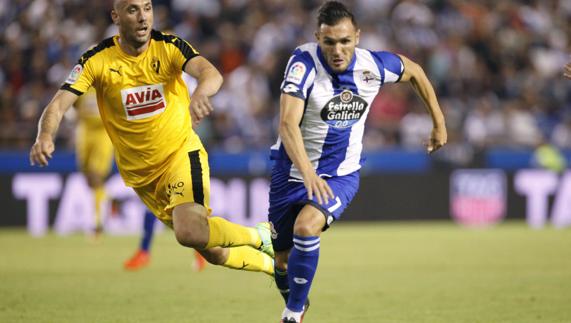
344, 190
310, 221
286, 200
186, 185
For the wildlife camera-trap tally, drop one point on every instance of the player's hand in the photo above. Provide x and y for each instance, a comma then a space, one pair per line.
200, 107
567, 70
317, 186
438, 138
41, 151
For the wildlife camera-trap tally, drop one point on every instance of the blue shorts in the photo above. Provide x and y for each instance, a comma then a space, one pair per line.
288, 196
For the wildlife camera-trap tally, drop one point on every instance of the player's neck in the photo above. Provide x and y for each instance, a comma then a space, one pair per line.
132, 50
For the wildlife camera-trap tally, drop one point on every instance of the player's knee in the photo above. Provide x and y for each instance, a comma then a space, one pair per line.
306, 229
93, 180
189, 237
309, 222
281, 260
190, 226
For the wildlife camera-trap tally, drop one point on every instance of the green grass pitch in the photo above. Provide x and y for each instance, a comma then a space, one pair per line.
368, 272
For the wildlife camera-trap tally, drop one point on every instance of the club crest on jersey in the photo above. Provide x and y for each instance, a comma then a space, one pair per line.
368, 76
143, 101
74, 74
296, 73
156, 65
344, 110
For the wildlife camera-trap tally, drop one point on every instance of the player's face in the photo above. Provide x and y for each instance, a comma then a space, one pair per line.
338, 43
135, 20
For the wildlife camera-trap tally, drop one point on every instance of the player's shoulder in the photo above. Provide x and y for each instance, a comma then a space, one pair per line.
307, 49
306, 53
388, 58
96, 50
383, 54
168, 40
165, 37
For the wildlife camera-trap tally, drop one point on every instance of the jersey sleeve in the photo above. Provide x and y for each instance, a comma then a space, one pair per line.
299, 75
390, 65
182, 51
81, 77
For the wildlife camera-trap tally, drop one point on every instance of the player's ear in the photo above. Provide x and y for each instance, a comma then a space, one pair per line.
357, 36
317, 35
115, 17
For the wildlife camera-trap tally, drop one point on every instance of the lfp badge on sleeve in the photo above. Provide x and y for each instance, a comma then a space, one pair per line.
478, 196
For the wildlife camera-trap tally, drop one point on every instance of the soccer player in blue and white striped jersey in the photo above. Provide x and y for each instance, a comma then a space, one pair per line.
327, 91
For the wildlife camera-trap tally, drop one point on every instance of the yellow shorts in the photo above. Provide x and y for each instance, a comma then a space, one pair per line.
187, 180
94, 151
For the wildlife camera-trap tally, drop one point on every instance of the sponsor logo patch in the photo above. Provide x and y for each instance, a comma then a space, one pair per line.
344, 110
74, 74
143, 101
296, 73
175, 188
291, 88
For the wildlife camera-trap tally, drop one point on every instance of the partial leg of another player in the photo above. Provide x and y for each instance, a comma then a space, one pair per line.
142, 257
96, 182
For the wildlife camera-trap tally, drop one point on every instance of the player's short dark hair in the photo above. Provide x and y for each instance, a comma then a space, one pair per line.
331, 12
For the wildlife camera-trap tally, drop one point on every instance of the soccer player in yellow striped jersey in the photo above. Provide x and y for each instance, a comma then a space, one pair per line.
94, 151
144, 106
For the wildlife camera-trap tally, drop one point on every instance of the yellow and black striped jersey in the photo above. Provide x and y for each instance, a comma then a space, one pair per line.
142, 100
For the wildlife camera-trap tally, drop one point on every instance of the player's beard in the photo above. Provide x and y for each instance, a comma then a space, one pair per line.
137, 41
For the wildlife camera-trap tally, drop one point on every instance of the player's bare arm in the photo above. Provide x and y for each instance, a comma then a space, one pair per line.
291, 112
567, 70
209, 82
41, 151
414, 74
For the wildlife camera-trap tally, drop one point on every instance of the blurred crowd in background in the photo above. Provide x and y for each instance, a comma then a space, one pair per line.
496, 66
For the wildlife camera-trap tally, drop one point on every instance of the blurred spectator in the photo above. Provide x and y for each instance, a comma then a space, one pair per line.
496, 65
484, 124
561, 135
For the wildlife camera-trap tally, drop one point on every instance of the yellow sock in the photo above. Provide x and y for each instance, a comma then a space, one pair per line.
99, 196
249, 259
224, 233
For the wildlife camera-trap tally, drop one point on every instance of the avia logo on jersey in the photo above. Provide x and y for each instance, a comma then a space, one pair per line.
143, 101
344, 110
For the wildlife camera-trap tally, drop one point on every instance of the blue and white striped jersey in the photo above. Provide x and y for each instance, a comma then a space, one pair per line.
336, 106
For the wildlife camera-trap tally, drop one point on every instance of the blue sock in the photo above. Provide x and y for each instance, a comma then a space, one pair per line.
148, 228
282, 282
302, 264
